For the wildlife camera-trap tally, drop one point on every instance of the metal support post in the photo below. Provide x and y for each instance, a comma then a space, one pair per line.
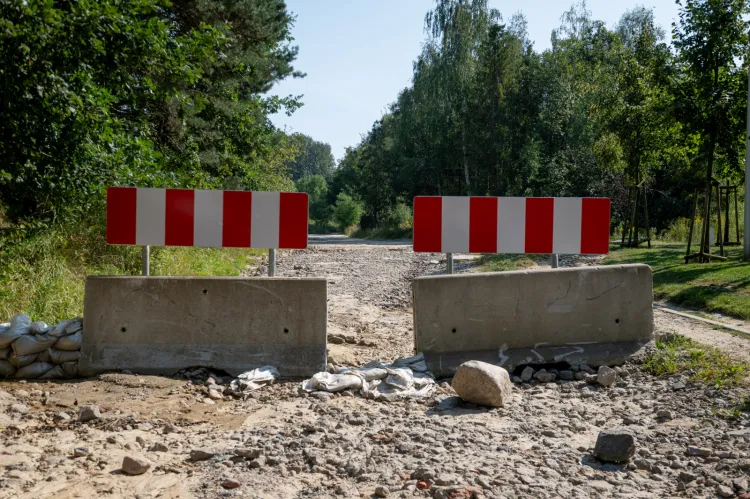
271, 262
145, 260
553, 260
449, 263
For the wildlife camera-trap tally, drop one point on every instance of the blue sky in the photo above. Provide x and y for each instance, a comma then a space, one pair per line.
358, 55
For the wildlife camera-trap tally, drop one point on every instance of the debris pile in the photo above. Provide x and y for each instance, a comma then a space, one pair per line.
30, 350
404, 378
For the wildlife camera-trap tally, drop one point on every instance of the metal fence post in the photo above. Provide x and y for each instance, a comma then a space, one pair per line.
145, 260
449, 263
553, 260
271, 262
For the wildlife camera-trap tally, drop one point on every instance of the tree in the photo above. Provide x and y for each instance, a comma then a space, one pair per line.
711, 39
314, 158
317, 189
347, 211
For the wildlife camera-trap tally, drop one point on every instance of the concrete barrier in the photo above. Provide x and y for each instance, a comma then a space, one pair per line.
601, 315
163, 324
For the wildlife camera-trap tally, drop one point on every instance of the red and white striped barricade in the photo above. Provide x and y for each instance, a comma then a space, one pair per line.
207, 218
452, 224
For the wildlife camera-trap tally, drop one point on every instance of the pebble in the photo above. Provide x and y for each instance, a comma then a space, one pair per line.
80, 452
159, 447
215, 395
135, 465
527, 373
230, 484
665, 414
724, 491
19, 408
698, 451
201, 454
61, 416
606, 376
88, 413
381, 491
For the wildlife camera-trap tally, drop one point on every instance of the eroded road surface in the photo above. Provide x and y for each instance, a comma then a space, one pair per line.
283, 443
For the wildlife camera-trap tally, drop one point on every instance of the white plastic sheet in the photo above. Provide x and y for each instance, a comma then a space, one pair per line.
252, 380
404, 378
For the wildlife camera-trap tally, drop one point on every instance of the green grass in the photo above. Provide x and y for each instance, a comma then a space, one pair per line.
501, 263
702, 363
44, 274
713, 287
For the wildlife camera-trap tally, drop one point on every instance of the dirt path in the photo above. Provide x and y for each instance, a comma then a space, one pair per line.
282, 443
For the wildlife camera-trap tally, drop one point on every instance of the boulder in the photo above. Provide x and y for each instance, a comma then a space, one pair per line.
483, 384
614, 446
606, 376
135, 465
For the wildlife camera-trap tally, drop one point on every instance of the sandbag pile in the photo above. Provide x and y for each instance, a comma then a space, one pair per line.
31, 350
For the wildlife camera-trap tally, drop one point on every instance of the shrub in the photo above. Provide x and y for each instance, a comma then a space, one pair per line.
347, 211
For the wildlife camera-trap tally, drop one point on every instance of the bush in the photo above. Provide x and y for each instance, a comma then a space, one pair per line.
400, 217
347, 211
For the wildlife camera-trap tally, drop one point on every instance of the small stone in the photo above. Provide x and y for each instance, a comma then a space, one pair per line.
724, 491
516, 380
80, 452
614, 446
687, 477
230, 484
580, 375
381, 491
21, 393
323, 396
589, 378
586, 369
19, 408
169, 428
88, 413
159, 447
215, 395
698, 451
483, 384
606, 376
134, 465
527, 373
546, 377
567, 375
61, 416
678, 385
258, 462
201, 454
665, 414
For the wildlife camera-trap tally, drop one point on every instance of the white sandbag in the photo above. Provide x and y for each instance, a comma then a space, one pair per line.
19, 325
74, 325
252, 380
62, 356
6, 369
332, 382
33, 371
54, 373
5, 353
70, 369
38, 327
29, 344
21, 360
70, 342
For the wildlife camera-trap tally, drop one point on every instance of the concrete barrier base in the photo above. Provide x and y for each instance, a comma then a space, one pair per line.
600, 315
162, 324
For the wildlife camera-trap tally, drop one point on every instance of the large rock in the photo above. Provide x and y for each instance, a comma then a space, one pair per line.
482, 383
88, 413
135, 465
606, 376
615, 446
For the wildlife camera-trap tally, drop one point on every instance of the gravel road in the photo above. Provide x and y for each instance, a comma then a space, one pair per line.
282, 443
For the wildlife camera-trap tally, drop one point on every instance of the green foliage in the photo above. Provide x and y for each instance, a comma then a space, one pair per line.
347, 211
703, 363
313, 158
317, 189
501, 263
400, 216
145, 93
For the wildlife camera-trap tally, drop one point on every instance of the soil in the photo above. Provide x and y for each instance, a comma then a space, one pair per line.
280, 442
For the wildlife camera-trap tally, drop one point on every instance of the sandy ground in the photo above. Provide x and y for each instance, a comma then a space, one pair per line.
280, 442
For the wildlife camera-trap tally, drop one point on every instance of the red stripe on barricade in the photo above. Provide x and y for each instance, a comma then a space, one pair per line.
540, 214
293, 220
180, 211
121, 215
238, 207
595, 214
428, 223
482, 225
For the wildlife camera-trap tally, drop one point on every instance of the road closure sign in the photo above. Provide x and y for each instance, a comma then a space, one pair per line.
454, 224
208, 218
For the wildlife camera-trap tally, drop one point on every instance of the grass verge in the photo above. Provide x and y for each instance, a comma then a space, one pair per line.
500, 263
43, 275
701, 362
713, 287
